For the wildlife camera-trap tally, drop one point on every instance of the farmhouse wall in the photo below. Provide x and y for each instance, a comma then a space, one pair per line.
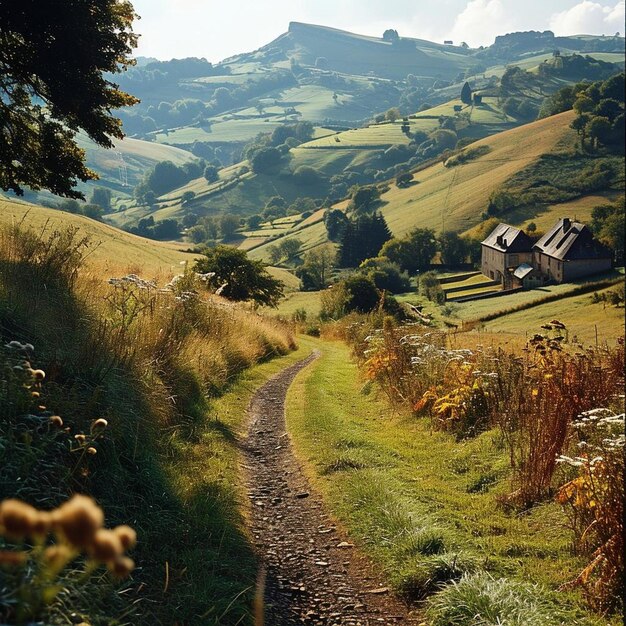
585, 267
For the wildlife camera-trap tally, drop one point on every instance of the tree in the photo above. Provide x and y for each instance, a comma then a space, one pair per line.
211, 173
102, 197
393, 114
229, 224
413, 252
466, 94
265, 160
275, 254
453, 248
290, 248
197, 234
363, 238
579, 124
363, 198
239, 277
386, 275
55, 62
391, 35
307, 175
164, 177
404, 179
318, 263
362, 295
599, 129
187, 197
254, 221
335, 222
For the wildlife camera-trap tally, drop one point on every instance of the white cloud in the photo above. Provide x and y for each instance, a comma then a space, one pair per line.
589, 17
480, 22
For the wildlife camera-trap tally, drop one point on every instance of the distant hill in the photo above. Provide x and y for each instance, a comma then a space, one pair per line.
455, 198
339, 81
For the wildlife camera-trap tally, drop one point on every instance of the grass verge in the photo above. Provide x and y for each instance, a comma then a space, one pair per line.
421, 504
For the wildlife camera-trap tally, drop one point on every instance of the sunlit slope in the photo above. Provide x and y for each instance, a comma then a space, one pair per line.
113, 249
350, 53
454, 198
123, 166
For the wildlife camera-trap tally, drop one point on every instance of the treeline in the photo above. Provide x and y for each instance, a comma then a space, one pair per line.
186, 111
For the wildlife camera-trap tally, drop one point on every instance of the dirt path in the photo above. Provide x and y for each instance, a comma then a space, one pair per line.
314, 575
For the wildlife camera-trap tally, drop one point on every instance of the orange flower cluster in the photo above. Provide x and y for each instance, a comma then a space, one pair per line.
78, 525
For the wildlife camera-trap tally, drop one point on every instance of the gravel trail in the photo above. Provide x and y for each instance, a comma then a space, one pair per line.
312, 572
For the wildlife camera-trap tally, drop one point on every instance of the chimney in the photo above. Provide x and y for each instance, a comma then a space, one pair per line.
500, 241
566, 224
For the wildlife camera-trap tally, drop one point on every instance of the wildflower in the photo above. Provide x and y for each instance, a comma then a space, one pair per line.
80, 438
99, 425
17, 519
41, 526
105, 546
57, 557
535, 393
38, 374
78, 520
121, 567
91, 450
126, 535
56, 420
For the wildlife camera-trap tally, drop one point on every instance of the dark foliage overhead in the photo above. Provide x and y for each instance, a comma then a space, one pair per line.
53, 56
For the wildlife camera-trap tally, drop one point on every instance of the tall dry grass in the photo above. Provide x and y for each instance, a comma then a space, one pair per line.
148, 356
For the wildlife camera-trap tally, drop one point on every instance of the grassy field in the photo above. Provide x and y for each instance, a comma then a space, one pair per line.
480, 308
116, 250
383, 477
128, 160
454, 198
308, 301
586, 321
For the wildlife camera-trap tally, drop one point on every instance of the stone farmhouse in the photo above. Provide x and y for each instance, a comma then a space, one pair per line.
568, 251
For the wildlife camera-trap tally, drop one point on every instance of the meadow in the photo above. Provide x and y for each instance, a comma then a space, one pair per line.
157, 362
426, 523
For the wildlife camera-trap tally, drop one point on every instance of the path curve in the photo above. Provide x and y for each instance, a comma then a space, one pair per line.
313, 574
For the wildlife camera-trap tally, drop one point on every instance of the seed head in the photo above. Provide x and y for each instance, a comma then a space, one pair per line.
38, 374
42, 525
17, 519
57, 557
80, 438
91, 450
78, 520
126, 535
99, 425
106, 546
121, 567
55, 420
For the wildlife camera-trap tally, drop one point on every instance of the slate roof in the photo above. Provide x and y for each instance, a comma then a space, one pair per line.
571, 241
505, 238
523, 270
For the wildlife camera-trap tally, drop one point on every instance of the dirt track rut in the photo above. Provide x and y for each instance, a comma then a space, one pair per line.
313, 573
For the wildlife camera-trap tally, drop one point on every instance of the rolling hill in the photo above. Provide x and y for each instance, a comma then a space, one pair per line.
455, 198
113, 249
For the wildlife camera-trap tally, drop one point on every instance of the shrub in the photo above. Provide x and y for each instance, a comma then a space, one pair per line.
418, 580
594, 501
479, 600
430, 287
236, 277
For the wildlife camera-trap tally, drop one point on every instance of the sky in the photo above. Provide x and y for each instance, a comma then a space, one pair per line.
217, 30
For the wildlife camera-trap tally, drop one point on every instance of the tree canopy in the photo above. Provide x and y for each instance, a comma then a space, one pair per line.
239, 277
53, 60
